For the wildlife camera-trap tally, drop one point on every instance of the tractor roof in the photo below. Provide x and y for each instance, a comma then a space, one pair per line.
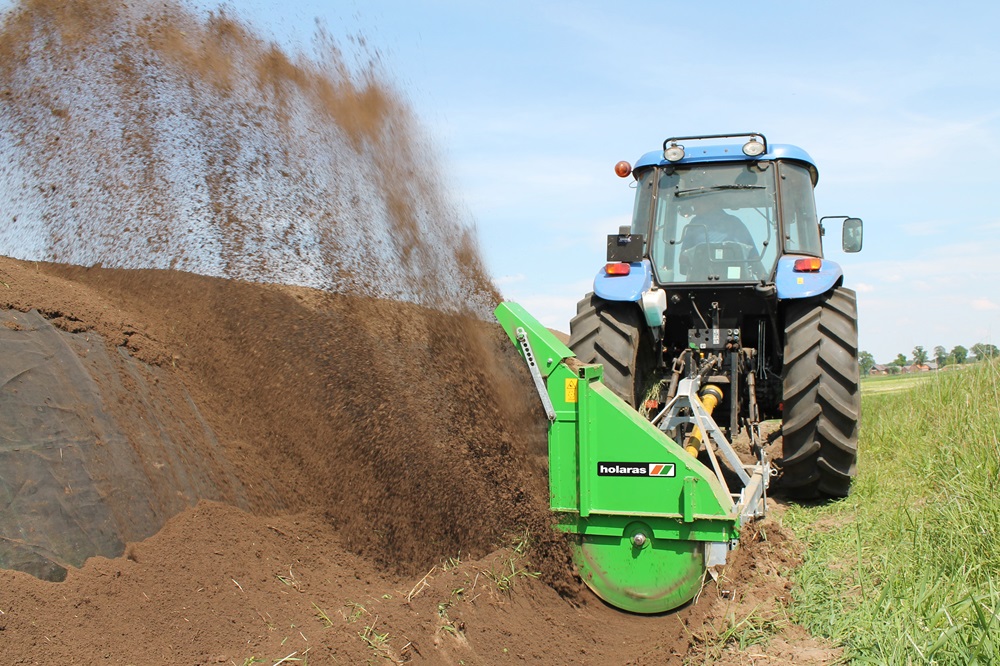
699, 154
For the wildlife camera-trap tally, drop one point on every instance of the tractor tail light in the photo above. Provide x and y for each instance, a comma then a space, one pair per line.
618, 268
811, 265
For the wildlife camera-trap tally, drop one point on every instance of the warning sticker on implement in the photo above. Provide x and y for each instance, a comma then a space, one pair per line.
571, 390
635, 469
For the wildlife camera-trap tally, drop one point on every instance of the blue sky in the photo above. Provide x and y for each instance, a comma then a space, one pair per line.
530, 104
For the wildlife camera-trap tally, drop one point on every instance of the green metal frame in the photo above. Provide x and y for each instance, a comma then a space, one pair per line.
675, 511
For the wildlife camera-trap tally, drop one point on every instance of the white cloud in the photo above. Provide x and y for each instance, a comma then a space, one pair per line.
984, 304
993, 225
913, 301
932, 227
553, 311
554, 302
509, 279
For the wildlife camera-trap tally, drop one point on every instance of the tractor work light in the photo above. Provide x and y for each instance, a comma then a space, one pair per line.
618, 268
753, 147
810, 265
674, 153
623, 169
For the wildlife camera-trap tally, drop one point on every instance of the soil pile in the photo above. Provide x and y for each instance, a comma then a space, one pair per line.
142, 136
409, 428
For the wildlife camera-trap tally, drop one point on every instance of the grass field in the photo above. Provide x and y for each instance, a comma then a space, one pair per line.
887, 383
907, 569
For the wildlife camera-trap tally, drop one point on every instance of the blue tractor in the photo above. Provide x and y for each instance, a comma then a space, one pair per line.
721, 279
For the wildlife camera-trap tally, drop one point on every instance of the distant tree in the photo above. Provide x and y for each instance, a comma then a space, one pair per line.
900, 360
919, 355
941, 356
866, 361
958, 355
983, 351
894, 369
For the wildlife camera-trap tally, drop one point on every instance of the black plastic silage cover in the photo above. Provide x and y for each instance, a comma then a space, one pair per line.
75, 480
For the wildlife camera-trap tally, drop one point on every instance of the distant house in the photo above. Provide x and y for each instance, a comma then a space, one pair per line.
878, 369
916, 368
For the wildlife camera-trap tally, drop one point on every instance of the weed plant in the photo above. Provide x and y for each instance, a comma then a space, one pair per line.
907, 569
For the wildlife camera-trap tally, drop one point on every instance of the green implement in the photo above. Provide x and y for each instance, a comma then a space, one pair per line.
648, 516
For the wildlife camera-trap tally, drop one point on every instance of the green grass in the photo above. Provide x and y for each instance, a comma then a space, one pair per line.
887, 383
505, 571
322, 616
907, 569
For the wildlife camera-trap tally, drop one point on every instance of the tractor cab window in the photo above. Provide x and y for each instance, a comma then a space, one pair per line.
798, 211
711, 222
646, 181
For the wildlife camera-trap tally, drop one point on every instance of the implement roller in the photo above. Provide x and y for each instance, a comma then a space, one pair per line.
649, 518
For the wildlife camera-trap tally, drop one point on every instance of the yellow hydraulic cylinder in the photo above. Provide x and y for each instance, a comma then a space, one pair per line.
710, 396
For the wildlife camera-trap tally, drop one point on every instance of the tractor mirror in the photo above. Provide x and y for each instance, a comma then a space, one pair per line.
853, 234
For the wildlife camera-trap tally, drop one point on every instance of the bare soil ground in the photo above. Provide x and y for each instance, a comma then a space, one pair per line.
392, 458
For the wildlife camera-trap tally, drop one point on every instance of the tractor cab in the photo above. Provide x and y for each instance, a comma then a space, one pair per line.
723, 215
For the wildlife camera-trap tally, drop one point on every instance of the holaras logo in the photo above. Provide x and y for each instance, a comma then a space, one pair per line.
635, 469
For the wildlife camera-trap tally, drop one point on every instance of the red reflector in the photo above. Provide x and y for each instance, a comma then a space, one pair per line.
811, 265
619, 268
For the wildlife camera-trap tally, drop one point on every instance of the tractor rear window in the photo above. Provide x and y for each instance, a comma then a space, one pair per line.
711, 222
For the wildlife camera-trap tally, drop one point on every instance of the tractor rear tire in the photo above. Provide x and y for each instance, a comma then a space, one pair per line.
612, 333
822, 397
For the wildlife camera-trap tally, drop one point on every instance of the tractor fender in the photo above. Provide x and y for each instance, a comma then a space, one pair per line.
624, 287
792, 285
